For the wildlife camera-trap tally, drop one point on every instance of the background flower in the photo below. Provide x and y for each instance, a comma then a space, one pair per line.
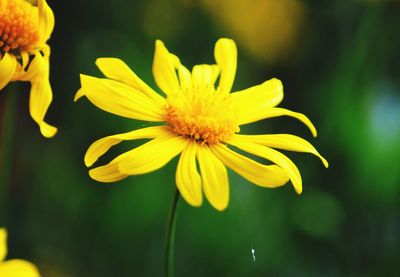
15, 267
24, 53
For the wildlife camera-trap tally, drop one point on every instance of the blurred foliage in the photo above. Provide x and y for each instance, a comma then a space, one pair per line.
339, 63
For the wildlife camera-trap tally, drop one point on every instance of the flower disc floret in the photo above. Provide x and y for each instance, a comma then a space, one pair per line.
18, 27
206, 117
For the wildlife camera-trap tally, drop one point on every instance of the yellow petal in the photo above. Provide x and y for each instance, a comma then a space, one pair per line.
252, 101
41, 96
46, 20
3, 244
25, 59
185, 78
117, 70
274, 156
101, 146
275, 112
225, 53
164, 66
269, 176
108, 173
214, 177
285, 142
187, 178
38, 68
8, 64
120, 99
18, 268
204, 75
151, 155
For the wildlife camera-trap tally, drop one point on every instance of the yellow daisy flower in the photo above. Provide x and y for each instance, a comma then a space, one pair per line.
200, 121
24, 53
15, 267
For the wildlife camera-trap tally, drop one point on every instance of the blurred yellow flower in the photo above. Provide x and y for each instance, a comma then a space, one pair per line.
200, 121
15, 267
270, 30
24, 53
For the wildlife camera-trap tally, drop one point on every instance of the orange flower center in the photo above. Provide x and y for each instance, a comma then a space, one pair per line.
18, 26
205, 116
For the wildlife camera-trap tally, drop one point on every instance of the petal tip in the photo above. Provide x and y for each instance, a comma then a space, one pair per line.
277, 82
221, 208
325, 162
88, 162
225, 41
99, 61
47, 130
79, 94
159, 43
3, 233
195, 202
299, 190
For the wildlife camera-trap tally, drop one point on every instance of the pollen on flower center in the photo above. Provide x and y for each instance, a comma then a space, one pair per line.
206, 117
18, 26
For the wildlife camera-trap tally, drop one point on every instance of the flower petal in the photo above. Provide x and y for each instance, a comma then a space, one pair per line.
3, 244
8, 64
164, 66
204, 75
108, 173
24, 59
214, 177
285, 142
18, 268
120, 99
269, 176
151, 155
37, 68
257, 99
275, 112
274, 156
41, 95
188, 179
46, 20
101, 146
225, 53
117, 70
185, 78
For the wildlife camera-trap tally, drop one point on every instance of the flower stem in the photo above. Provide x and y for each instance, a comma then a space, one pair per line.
170, 236
7, 116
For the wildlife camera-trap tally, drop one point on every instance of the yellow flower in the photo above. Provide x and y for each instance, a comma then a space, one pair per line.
199, 121
15, 267
24, 53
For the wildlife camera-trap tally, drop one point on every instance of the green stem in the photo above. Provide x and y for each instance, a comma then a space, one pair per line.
170, 237
7, 120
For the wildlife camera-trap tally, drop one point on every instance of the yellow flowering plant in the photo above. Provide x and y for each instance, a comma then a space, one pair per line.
24, 53
199, 120
15, 267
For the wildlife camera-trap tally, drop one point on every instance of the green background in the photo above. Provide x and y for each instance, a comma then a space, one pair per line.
340, 66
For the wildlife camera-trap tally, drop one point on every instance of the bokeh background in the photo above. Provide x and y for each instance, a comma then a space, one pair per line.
339, 62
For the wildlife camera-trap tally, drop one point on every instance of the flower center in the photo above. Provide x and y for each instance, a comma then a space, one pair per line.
203, 115
18, 26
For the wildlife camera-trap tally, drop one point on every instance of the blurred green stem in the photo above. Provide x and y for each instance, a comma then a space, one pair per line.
170, 237
7, 110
